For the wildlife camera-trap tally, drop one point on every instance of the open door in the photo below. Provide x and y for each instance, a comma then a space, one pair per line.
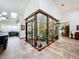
67, 30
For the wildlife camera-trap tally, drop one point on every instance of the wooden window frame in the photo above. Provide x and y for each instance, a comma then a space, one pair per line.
35, 25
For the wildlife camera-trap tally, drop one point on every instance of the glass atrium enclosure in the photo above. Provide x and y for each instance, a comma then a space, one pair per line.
41, 29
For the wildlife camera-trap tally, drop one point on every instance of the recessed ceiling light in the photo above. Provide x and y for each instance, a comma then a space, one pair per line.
4, 13
3, 18
0, 19
0, 15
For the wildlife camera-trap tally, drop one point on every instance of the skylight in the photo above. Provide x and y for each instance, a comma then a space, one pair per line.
13, 15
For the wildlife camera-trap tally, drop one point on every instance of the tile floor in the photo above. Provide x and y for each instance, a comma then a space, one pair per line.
64, 48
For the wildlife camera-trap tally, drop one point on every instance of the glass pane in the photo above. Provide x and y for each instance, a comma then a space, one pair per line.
56, 32
30, 19
41, 31
30, 32
51, 30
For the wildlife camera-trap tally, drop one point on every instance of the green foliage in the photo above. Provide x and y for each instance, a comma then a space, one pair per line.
56, 29
51, 36
42, 31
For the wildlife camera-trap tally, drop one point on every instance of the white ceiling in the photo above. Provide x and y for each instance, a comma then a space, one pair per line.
68, 5
20, 5
17, 6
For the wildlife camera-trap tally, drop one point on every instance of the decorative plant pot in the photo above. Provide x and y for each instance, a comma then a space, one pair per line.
71, 36
57, 37
39, 45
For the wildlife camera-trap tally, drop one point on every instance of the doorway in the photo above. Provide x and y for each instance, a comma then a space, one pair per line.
66, 30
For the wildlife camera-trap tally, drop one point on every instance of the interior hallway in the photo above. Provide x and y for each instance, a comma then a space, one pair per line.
64, 48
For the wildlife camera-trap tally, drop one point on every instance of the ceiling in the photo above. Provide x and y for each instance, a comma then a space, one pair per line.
68, 5
19, 6
13, 5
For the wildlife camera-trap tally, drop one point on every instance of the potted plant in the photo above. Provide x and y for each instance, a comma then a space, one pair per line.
56, 32
71, 35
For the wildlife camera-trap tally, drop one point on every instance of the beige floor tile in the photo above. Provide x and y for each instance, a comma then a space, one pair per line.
64, 48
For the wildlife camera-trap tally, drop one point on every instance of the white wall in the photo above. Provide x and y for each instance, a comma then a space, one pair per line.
22, 32
32, 7
9, 25
46, 5
72, 16
8, 28
50, 7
